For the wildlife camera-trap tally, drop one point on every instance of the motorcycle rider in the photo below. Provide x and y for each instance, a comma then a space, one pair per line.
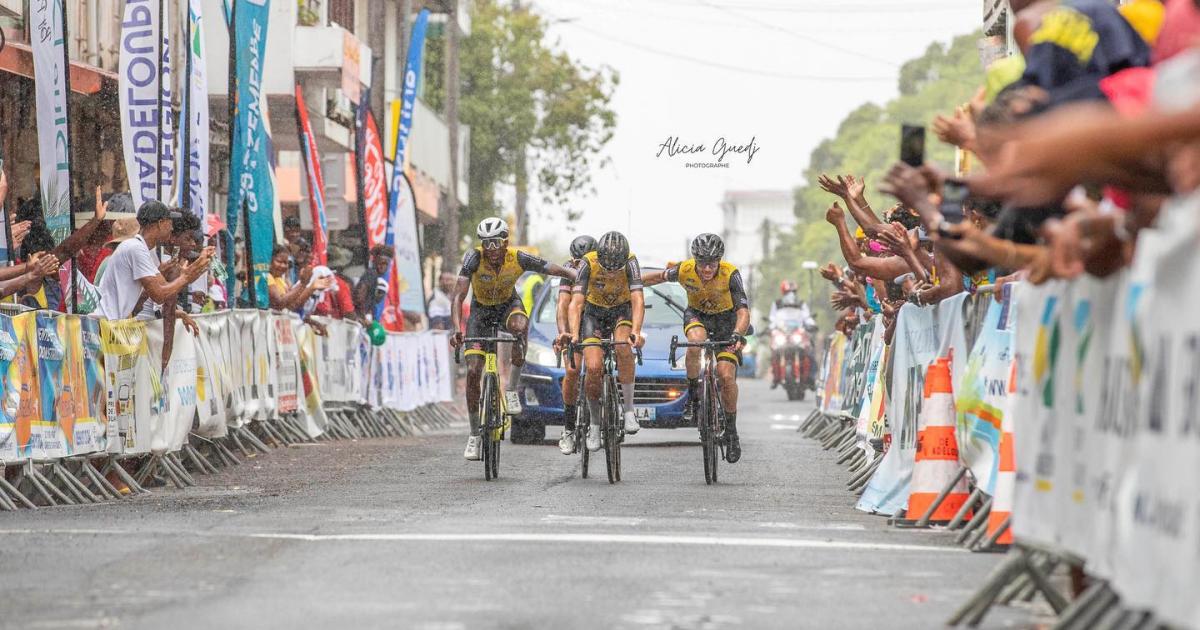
788, 312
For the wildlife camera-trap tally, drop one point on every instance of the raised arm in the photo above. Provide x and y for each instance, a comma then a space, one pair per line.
77, 239
853, 191
886, 268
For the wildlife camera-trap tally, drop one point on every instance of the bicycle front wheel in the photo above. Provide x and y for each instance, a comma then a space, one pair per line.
581, 432
489, 421
612, 444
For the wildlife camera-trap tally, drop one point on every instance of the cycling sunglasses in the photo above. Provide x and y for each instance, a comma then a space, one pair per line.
493, 243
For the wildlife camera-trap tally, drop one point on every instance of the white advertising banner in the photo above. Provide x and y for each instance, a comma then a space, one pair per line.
144, 93
47, 39
914, 344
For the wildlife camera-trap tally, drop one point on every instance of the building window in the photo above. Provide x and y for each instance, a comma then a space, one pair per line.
342, 13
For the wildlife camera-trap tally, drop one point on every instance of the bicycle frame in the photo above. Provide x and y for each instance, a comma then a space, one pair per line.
710, 419
494, 422
613, 432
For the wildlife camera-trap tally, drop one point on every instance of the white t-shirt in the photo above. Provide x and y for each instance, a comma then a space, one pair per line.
120, 287
439, 304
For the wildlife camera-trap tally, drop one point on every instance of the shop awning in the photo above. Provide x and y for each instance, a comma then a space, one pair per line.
17, 58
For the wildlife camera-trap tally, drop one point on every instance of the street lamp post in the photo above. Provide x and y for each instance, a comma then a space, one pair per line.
811, 266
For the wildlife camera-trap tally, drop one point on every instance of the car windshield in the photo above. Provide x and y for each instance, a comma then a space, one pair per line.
658, 312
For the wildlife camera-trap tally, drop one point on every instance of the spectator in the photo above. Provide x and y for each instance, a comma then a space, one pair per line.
122, 230
133, 285
284, 295
439, 303
50, 293
372, 288
292, 233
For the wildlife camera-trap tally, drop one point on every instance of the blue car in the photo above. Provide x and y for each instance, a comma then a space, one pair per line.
659, 391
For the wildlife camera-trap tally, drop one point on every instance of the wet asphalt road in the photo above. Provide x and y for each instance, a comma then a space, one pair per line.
405, 533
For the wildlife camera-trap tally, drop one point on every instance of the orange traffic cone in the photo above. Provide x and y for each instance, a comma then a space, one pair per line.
936, 464
1006, 474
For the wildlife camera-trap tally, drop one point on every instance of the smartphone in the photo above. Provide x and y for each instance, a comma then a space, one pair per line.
912, 144
954, 193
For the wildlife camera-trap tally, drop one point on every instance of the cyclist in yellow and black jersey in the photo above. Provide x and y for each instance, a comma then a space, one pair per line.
580, 247
717, 309
491, 272
607, 302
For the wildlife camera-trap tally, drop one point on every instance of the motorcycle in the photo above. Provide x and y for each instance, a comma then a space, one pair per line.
792, 360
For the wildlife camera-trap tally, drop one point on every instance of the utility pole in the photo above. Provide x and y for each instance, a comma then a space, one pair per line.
450, 219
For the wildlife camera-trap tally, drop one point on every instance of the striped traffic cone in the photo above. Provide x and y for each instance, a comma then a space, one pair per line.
936, 467
998, 530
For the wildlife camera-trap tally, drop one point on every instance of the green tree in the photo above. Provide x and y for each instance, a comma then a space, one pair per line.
867, 144
539, 120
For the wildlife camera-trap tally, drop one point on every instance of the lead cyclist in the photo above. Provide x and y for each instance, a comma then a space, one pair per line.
717, 309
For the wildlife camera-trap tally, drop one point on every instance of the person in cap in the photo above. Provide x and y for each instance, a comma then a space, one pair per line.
133, 269
122, 230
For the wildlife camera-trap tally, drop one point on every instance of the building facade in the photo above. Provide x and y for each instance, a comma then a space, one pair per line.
752, 224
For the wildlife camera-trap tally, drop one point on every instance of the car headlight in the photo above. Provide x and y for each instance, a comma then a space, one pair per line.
539, 354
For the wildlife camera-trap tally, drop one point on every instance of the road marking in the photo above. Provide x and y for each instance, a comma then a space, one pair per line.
615, 539
779, 417
592, 520
837, 527
783, 427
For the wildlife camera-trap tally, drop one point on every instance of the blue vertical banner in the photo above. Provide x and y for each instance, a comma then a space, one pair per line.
250, 162
405, 286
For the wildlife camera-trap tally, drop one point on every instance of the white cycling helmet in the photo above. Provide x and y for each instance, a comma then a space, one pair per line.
492, 227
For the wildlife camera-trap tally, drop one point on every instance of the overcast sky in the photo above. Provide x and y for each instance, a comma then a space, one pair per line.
782, 72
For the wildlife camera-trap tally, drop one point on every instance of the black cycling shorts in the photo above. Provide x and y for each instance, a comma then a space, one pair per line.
598, 322
718, 326
486, 321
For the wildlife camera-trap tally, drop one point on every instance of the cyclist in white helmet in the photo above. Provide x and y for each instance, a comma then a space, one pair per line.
490, 271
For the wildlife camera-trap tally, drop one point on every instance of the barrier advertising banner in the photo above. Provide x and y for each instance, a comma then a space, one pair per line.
914, 345
132, 385
981, 397
10, 388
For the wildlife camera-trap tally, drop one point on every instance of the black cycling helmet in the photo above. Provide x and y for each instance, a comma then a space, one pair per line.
582, 245
612, 251
708, 247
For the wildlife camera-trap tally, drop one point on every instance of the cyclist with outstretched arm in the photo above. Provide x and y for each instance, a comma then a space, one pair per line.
717, 309
490, 271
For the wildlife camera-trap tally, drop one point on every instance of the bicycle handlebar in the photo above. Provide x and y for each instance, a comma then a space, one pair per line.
458, 352
704, 345
603, 343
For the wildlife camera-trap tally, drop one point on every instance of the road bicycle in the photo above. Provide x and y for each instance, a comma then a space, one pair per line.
493, 420
710, 412
612, 422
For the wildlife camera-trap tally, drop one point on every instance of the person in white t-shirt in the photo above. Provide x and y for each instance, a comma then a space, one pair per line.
133, 269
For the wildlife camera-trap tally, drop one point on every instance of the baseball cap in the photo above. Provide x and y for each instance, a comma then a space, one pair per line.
124, 229
154, 211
